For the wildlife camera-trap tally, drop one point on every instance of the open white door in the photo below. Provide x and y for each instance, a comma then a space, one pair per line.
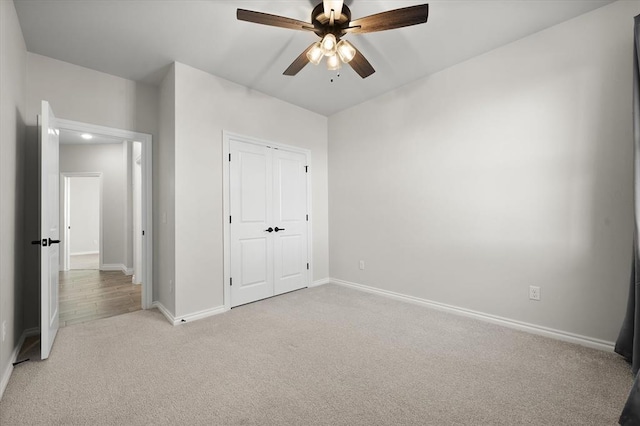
49, 228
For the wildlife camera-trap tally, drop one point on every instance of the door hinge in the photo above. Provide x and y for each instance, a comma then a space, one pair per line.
307, 218
229, 156
143, 233
307, 265
229, 219
306, 169
230, 281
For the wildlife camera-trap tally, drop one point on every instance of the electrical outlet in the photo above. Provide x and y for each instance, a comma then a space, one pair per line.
362, 265
534, 292
4, 330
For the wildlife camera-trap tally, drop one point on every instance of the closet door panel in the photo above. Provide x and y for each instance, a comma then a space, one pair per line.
290, 213
250, 172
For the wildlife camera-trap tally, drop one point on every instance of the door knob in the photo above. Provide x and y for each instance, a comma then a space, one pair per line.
279, 229
45, 242
270, 229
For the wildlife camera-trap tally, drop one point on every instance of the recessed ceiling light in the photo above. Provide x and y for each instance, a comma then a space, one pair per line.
86, 136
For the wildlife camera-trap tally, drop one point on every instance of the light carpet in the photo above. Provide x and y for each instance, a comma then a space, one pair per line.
321, 356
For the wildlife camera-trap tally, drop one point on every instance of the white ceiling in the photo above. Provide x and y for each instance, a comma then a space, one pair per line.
72, 137
138, 39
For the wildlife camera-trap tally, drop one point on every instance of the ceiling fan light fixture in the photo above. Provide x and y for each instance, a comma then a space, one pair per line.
329, 45
315, 54
335, 5
333, 63
331, 20
346, 51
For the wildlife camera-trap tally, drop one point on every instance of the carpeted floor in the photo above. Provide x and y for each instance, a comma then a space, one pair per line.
326, 355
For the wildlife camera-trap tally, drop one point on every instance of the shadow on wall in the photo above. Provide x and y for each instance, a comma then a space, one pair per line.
18, 229
31, 222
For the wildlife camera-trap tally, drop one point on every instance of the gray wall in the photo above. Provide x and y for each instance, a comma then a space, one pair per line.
164, 228
109, 160
509, 170
206, 105
84, 215
80, 94
12, 138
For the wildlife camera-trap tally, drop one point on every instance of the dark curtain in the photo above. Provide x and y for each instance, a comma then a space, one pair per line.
628, 343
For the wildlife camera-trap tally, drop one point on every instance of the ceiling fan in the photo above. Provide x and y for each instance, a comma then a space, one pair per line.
331, 21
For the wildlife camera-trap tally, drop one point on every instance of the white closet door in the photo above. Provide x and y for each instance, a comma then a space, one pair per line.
251, 254
268, 227
290, 221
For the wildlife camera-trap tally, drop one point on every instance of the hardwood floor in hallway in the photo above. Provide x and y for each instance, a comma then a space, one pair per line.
87, 295
84, 261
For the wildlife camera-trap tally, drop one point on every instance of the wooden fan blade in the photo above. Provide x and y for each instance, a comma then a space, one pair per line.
391, 19
299, 63
360, 65
273, 20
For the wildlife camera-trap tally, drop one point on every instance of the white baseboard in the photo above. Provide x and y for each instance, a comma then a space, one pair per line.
112, 267
81, 253
168, 315
6, 375
116, 267
507, 322
189, 317
322, 281
201, 314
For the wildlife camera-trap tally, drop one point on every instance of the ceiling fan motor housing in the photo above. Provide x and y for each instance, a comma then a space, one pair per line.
322, 24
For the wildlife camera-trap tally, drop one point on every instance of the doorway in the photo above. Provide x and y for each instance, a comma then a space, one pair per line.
82, 220
49, 130
98, 202
125, 218
268, 232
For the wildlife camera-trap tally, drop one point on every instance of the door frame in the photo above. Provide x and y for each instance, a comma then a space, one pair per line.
147, 193
226, 202
66, 181
137, 208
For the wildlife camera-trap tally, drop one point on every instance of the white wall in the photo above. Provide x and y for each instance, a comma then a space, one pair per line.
164, 226
508, 170
13, 56
205, 106
80, 94
84, 205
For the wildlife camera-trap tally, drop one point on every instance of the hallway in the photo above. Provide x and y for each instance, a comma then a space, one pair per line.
87, 295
